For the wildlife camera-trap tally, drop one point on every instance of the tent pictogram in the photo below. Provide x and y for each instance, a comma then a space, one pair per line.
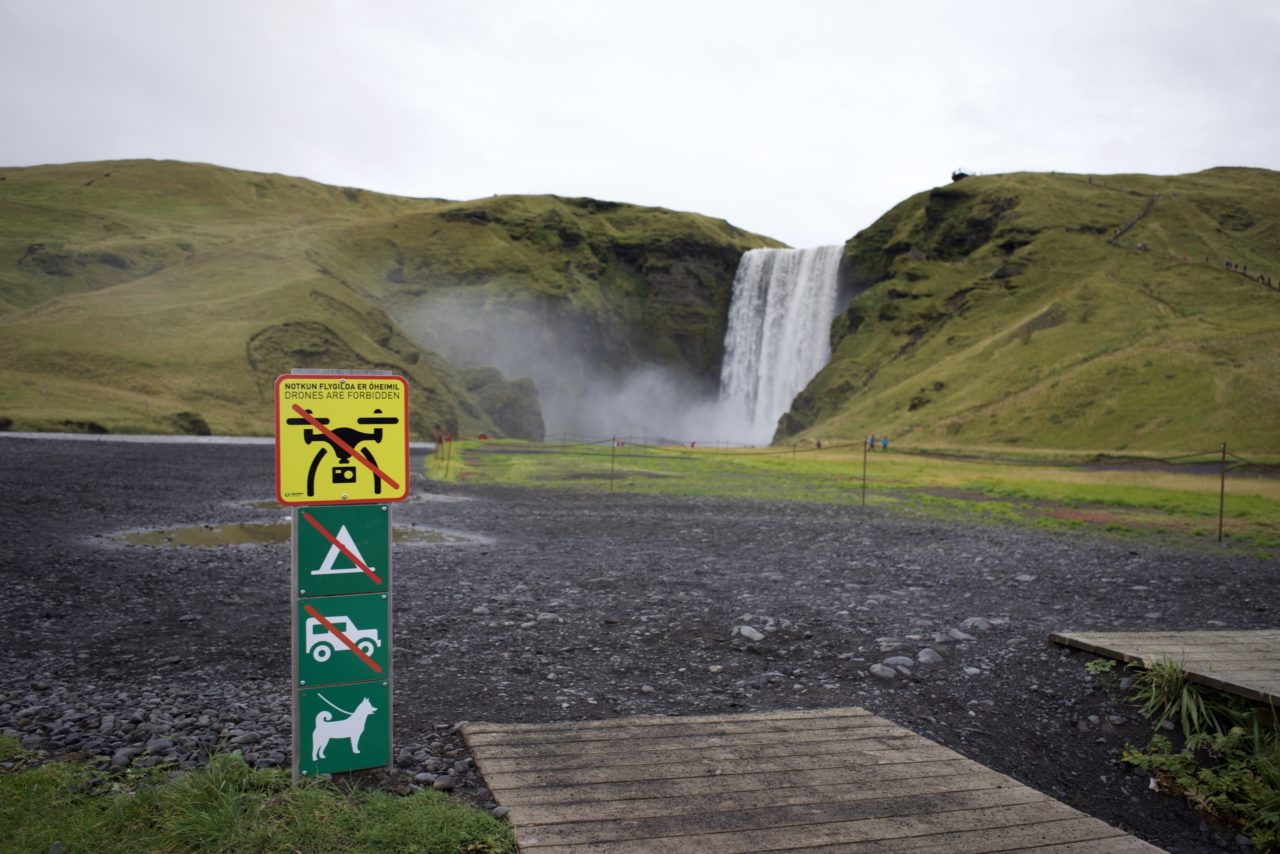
352, 551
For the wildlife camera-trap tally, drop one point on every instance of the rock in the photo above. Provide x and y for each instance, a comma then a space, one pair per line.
445, 784
404, 758
882, 672
247, 738
971, 671
956, 634
480, 611
500, 812
929, 655
1024, 577
979, 624
899, 661
423, 778
748, 632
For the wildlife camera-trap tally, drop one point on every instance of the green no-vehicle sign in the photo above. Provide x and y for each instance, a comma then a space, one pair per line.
343, 639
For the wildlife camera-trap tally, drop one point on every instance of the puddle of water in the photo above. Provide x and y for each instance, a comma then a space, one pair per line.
260, 533
208, 536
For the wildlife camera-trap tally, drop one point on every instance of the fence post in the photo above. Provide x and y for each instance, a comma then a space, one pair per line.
613, 453
447, 455
1222, 490
864, 473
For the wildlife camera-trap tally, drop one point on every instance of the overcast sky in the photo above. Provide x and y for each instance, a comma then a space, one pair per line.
800, 120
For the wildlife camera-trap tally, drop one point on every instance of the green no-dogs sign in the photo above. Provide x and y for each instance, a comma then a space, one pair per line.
343, 728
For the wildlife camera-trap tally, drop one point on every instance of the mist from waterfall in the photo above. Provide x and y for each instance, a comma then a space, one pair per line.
779, 335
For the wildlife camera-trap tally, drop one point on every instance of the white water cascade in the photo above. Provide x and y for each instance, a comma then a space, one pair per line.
779, 334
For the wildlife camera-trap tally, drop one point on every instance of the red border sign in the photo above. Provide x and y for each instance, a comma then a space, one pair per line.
307, 435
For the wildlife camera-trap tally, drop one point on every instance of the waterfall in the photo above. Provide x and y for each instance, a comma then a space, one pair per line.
779, 334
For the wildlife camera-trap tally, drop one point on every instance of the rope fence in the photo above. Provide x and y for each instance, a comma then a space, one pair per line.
1203, 463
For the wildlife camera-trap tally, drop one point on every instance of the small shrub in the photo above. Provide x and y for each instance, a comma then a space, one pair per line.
1229, 768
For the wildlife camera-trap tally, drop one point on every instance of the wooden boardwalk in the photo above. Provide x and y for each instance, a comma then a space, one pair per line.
1241, 662
831, 780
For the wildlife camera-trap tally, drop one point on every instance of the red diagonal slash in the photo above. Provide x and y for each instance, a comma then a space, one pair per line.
340, 547
338, 443
333, 630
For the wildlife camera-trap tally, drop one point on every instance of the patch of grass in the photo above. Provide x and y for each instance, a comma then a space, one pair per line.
979, 487
229, 807
1229, 765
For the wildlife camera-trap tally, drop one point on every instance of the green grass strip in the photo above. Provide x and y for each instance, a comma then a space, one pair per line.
227, 806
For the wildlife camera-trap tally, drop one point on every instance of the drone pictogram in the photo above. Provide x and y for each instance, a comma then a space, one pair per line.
343, 441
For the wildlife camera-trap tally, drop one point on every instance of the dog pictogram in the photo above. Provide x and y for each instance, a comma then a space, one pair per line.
349, 728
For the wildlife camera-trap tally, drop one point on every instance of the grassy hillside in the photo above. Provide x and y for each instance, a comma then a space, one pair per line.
159, 296
1062, 311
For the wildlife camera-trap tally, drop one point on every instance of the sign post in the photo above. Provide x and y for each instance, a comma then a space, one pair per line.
342, 454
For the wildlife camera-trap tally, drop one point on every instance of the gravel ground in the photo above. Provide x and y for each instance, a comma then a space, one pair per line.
544, 606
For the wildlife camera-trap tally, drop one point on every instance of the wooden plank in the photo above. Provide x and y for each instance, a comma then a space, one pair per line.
801, 837
827, 736
1081, 834
660, 720
1197, 635
962, 778
1113, 845
921, 764
622, 729
807, 754
774, 818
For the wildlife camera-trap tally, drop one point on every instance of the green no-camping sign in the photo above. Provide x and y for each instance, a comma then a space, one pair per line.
342, 549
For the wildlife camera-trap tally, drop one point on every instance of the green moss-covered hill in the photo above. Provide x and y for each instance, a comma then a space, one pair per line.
1062, 311
145, 296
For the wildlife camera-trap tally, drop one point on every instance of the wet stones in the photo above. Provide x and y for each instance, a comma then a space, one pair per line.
929, 656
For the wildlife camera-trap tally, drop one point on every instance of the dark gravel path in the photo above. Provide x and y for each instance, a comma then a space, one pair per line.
564, 606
